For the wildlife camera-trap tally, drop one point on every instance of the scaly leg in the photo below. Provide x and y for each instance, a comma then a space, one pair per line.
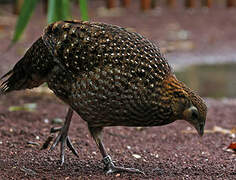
63, 137
109, 165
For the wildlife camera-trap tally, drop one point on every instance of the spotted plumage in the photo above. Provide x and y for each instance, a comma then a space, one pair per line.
110, 76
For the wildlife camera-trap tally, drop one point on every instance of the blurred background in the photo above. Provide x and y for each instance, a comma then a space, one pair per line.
189, 32
198, 38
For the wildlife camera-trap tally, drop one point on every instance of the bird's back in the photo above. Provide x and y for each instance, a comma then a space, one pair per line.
82, 46
109, 75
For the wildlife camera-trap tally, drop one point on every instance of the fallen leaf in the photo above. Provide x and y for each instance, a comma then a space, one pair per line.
221, 130
232, 146
233, 130
26, 107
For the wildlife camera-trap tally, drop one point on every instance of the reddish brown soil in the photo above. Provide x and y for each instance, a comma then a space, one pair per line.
166, 152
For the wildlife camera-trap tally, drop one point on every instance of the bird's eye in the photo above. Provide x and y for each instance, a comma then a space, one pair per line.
195, 115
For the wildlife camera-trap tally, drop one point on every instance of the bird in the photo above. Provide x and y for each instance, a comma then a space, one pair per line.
110, 76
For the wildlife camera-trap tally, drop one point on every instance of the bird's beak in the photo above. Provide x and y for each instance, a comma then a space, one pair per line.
200, 129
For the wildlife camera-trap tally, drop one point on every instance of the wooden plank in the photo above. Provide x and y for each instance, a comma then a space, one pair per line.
171, 3
207, 3
145, 4
126, 3
110, 4
231, 3
190, 3
154, 3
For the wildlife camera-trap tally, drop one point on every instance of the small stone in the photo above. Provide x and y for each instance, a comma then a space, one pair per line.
37, 137
233, 136
188, 128
117, 175
46, 121
128, 147
57, 121
136, 156
140, 128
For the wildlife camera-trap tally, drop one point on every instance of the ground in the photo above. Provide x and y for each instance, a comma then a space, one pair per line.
169, 152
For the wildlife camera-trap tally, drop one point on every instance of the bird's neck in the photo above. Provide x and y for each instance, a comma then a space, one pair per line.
178, 98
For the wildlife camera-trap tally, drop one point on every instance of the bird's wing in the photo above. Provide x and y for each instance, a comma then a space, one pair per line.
82, 46
77, 46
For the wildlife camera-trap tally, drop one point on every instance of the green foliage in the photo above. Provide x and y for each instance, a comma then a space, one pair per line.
26, 12
57, 10
83, 10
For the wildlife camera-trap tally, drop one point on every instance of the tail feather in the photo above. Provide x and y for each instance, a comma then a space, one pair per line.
14, 82
30, 71
4, 87
7, 74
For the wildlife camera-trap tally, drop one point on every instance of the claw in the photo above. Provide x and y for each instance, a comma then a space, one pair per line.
56, 141
111, 168
47, 142
62, 155
55, 129
62, 138
114, 169
71, 147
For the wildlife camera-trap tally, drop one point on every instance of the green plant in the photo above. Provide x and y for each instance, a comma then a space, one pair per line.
57, 10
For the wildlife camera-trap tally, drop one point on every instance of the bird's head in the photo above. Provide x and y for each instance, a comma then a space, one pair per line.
195, 118
196, 113
186, 104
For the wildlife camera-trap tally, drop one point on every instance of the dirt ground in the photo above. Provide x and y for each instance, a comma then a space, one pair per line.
169, 152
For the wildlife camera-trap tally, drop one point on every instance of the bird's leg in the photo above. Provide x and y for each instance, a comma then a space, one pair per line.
63, 137
109, 165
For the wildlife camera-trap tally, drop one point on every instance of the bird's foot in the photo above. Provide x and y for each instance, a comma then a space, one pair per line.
111, 168
62, 138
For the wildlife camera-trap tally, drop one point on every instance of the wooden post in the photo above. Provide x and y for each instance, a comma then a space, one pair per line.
110, 4
153, 3
126, 3
171, 3
190, 3
231, 3
207, 3
145, 4
45, 6
17, 6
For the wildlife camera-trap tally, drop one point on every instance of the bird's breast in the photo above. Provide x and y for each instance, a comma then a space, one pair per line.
109, 96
